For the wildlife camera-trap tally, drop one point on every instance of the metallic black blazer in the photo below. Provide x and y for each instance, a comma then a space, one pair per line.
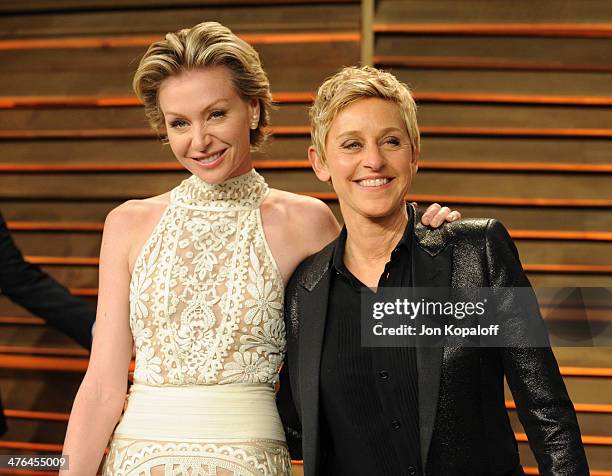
464, 426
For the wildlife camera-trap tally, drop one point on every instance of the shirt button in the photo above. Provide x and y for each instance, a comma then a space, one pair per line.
395, 424
383, 374
412, 471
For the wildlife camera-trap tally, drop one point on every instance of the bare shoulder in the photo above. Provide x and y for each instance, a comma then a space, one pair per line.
129, 225
308, 218
300, 208
132, 214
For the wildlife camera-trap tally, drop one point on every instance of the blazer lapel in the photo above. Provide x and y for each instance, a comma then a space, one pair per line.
314, 313
429, 271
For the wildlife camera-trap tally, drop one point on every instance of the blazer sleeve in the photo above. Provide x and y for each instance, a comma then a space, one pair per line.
289, 415
284, 398
543, 404
27, 285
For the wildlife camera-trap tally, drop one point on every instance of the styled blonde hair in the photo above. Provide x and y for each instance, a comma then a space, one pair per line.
206, 44
352, 84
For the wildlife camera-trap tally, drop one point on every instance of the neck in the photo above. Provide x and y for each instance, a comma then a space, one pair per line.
371, 240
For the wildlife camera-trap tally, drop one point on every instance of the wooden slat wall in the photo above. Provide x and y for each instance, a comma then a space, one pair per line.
515, 106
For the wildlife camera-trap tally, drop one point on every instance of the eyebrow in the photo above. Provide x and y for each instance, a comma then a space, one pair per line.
348, 133
383, 132
207, 108
392, 129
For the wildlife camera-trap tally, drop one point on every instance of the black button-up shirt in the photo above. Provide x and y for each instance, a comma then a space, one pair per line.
369, 396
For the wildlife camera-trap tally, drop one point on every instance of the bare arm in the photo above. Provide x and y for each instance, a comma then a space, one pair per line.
101, 396
322, 226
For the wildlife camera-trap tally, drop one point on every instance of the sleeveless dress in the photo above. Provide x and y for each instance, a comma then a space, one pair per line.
206, 300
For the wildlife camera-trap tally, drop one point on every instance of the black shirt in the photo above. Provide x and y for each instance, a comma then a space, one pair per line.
369, 396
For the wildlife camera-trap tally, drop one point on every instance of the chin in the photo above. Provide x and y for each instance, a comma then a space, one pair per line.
377, 214
380, 208
214, 176
373, 211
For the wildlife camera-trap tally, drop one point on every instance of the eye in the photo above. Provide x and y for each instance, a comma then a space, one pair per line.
352, 145
392, 141
217, 114
178, 124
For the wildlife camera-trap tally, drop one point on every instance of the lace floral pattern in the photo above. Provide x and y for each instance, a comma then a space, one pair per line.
205, 296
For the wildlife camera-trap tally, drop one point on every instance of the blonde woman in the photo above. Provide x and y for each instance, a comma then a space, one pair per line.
194, 278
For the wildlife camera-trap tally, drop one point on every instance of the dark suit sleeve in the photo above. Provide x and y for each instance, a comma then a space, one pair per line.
27, 285
543, 404
289, 415
284, 399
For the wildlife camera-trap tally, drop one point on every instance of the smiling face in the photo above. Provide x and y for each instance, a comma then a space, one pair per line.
369, 159
208, 123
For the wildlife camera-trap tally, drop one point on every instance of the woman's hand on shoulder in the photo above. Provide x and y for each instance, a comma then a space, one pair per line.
436, 215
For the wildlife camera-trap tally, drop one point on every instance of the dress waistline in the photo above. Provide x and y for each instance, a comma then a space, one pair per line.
215, 412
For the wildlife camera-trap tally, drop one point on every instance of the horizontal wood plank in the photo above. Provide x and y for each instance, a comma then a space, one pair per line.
40, 6
303, 16
579, 407
477, 11
305, 165
304, 97
478, 81
440, 131
492, 64
551, 30
48, 351
36, 415
144, 41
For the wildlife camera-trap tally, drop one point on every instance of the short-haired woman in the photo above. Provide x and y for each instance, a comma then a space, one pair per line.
408, 410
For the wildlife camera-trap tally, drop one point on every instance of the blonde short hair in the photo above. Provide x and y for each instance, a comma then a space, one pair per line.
206, 44
352, 84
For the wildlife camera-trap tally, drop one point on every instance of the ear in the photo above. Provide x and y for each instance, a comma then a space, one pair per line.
162, 132
414, 161
317, 164
254, 109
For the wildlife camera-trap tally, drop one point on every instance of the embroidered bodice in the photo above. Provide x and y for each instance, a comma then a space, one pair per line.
206, 296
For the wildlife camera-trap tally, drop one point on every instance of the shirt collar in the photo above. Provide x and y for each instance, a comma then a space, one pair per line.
337, 257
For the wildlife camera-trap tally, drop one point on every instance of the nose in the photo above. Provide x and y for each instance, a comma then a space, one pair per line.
201, 139
374, 158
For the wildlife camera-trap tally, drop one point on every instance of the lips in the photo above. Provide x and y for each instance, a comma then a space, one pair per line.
210, 160
373, 182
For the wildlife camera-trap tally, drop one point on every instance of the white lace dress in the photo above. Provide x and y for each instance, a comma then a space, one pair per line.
206, 304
